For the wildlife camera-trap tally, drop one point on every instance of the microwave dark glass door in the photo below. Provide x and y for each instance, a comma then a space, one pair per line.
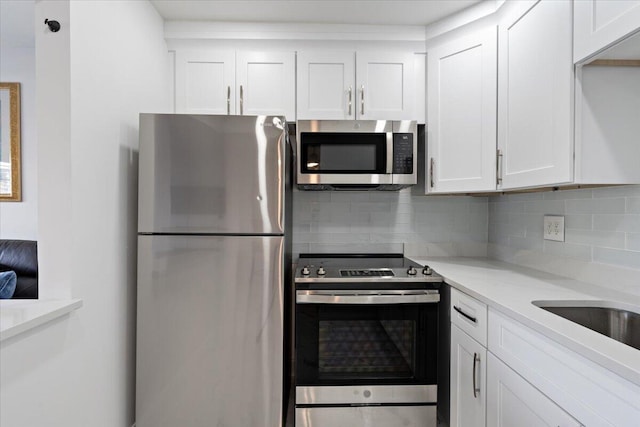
343, 153
340, 344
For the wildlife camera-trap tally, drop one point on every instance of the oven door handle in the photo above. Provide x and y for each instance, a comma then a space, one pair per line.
370, 297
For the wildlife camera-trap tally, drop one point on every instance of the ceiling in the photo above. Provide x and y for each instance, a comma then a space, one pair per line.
375, 12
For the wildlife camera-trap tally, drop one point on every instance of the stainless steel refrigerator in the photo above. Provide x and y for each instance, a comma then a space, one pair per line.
213, 258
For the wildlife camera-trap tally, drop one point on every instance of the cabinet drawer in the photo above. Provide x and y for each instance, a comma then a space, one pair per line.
370, 416
470, 315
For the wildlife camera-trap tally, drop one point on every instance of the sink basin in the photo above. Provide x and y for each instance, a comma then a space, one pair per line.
617, 321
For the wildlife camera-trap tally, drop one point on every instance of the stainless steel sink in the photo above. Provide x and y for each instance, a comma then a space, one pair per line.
617, 321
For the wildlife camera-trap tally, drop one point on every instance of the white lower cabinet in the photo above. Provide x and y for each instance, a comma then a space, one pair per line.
512, 401
592, 394
468, 380
484, 390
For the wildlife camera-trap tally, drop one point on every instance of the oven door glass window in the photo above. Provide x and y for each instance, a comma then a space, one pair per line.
371, 348
366, 344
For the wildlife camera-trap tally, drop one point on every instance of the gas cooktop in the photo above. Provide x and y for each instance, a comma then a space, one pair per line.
362, 268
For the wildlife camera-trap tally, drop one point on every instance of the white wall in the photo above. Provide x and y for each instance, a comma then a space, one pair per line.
79, 371
19, 220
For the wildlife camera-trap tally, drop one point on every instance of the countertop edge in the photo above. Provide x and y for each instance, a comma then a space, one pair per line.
602, 356
35, 313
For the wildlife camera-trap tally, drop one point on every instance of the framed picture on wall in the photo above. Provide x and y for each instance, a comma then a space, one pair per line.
10, 189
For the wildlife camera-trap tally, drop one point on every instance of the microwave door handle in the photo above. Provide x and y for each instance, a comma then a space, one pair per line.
389, 153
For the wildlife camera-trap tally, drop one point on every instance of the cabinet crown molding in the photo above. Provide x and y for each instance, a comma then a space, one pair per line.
270, 31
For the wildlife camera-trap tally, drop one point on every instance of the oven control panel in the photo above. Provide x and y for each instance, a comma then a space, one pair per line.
320, 273
381, 272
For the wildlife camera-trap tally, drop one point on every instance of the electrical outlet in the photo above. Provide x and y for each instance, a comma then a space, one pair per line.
554, 227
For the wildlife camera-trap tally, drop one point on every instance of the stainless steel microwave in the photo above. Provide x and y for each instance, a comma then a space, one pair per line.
356, 154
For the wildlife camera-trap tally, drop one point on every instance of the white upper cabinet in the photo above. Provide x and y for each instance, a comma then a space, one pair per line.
385, 85
600, 23
535, 94
249, 83
326, 85
205, 82
266, 83
461, 114
363, 85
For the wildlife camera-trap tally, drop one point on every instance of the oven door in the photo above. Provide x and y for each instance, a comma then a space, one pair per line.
344, 338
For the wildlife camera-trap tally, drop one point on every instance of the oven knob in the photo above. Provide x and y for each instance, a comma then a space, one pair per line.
427, 270
321, 271
412, 271
305, 271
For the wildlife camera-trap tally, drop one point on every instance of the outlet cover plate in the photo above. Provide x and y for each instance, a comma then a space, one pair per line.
554, 228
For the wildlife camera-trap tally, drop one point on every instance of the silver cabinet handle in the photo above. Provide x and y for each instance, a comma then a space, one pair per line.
241, 100
350, 90
459, 310
228, 100
432, 164
476, 390
499, 167
362, 100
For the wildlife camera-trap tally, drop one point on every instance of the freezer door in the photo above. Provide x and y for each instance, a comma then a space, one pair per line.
210, 331
211, 174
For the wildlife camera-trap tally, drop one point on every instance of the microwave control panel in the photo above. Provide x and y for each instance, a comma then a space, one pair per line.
402, 153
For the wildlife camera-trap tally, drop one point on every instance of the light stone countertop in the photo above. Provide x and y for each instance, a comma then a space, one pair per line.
510, 289
21, 315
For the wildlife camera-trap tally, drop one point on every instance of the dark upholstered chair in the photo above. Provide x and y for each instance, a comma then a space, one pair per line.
21, 256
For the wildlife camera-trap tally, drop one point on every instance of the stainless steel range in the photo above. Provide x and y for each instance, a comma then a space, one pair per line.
366, 338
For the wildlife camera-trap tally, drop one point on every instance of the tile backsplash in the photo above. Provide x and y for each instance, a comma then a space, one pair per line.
602, 231
376, 221
602, 228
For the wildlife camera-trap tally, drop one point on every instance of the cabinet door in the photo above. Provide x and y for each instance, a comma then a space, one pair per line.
385, 86
205, 82
462, 94
535, 93
468, 397
600, 23
326, 85
512, 401
266, 84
